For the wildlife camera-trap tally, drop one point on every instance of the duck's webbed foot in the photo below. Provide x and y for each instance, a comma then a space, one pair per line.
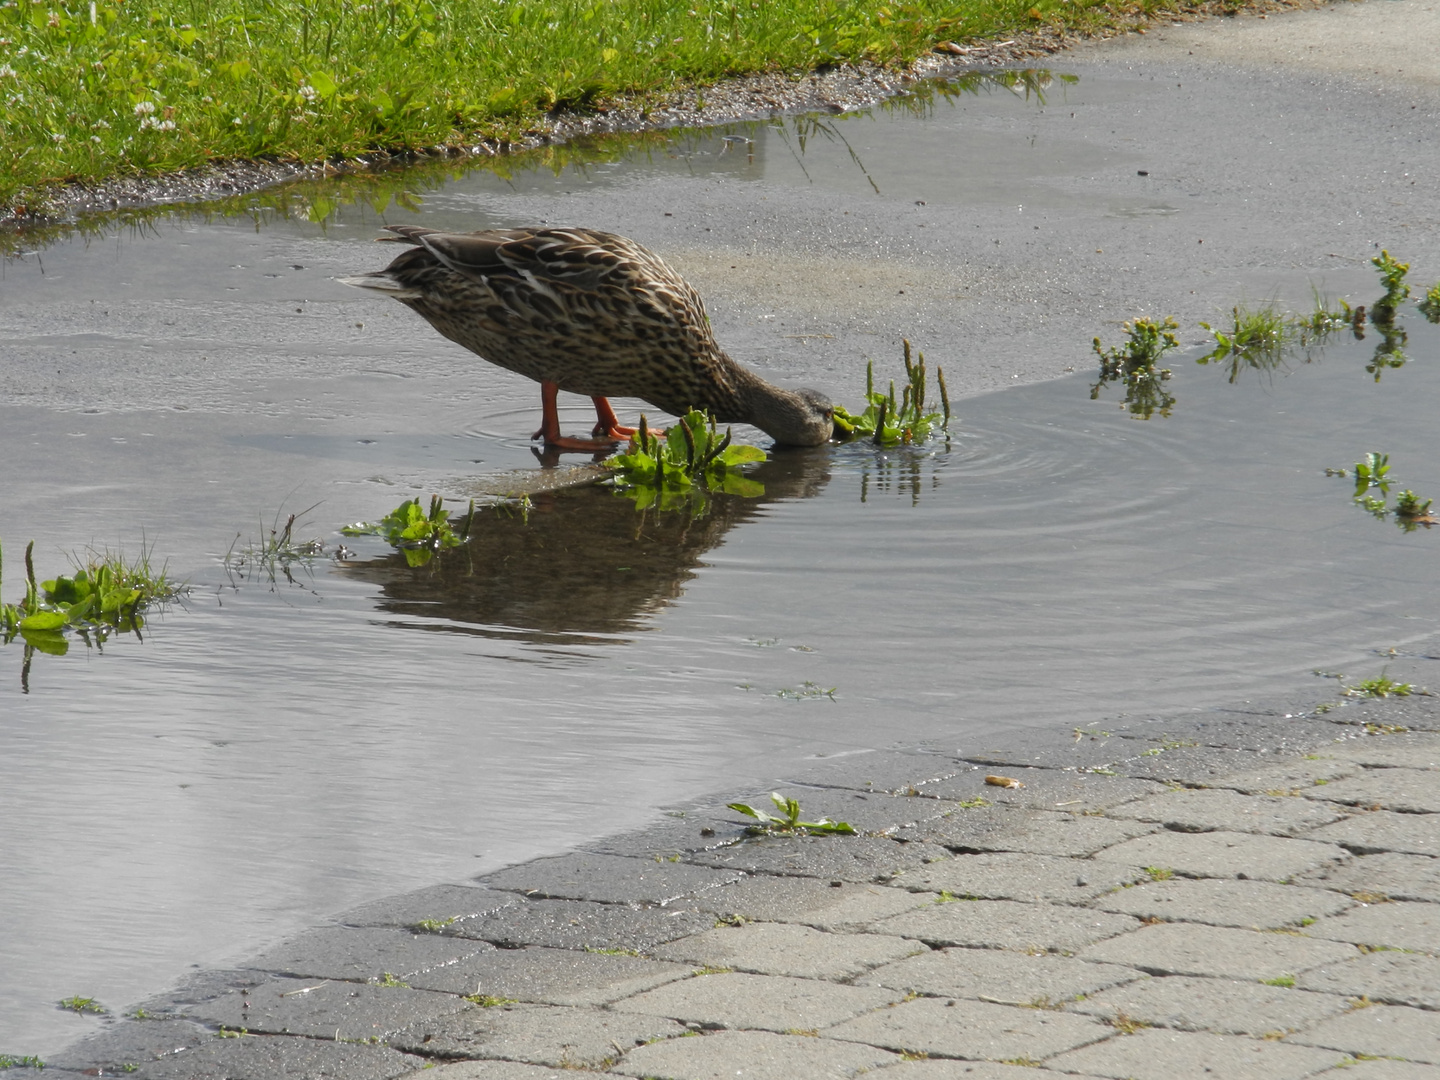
550, 427
607, 424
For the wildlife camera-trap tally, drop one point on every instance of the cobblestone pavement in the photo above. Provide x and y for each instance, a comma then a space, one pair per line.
1251, 892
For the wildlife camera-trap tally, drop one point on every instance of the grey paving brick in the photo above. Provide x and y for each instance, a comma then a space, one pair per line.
1413, 751
497, 1070
360, 953
759, 1055
1221, 1006
953, 1069
325, 1009
537, 1034
1388, 875
758, 1002
1258, 905
1213, 809
576, 924
1186, 949
970, 1029
1093, 748
784, 949
697, 827
1020, 876
1022, 829
997, 976
1187, 765
438, 903
1224, 854
278, 1058
1060, 790
826, 905
1407, 791
1289, 777
1395, 925
850, 858
892, 771
1163, 1054
1380, 1030
1382, 1069
1006, 924
1274, 731
551, 976
115, 1045
1391, 978
1414, 714
870, 812
608, 879
1382, 830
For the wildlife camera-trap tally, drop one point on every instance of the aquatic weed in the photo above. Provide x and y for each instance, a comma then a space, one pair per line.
888, 421
675, 470
1258, 338
1135, 365
416, 533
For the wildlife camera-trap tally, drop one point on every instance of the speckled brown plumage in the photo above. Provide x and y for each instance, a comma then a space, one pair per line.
592, 313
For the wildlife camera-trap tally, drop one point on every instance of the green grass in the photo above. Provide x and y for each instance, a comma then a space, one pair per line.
94, 90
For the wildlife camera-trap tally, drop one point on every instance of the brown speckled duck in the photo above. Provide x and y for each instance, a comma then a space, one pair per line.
589, 313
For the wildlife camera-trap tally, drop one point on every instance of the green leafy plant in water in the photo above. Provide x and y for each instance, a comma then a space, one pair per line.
1430, 305
789, 819
888, 421
1380, 687
1258, 338
1373, 474
76, 1003
675, 470
418, 534
276, 552
27, 1061
1135, 365
1392, 276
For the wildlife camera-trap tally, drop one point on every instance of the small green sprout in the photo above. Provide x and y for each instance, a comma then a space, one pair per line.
416, 533
79, 1004
790, 821
1280, 980
888, 421
1382, 686
675, 470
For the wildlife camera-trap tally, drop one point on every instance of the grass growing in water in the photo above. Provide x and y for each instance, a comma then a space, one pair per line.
887, 421
277, 552
789, 819
1257, 338
1135, 364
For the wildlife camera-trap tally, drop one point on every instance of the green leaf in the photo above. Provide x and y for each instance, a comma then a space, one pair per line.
50, 642
44, 620
323, 84
741, 455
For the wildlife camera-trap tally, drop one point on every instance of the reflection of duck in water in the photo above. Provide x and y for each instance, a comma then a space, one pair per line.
589, 313
583, 564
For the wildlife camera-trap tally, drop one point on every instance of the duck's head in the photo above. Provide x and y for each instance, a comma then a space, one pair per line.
796, 417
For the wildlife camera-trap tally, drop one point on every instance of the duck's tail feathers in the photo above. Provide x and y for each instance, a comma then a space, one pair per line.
382, 282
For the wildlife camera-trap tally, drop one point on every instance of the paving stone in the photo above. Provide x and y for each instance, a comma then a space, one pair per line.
118, 1044
608, 879
551, 976
1163, 1054
1060, 790
877, 771
1407, 791
1095, 748
537, 1034
1380, 1030
325, 1009
1018, 876
1413, 751
497, 1070
1185, 949
361, 953
277, 1058
576, 924
1022, 829
997, 976
782, 949
1198, 765
970, 1029
1213, 809
850, 858
1006, 924
1413, 714
1382, 830
1275, 731
695, 827
1223, 854
826, 905
1257, 905
758, 1002
1392, 978
1394, 925
951, 1069
760, 1054
1216, 1005
1290, 777
1386, 876
869, 812
1382, 1069
439, 903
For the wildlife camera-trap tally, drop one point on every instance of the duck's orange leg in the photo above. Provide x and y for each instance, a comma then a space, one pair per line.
550, 426
607, 424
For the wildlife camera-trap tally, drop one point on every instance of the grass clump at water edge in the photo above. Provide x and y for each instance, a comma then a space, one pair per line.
90, 90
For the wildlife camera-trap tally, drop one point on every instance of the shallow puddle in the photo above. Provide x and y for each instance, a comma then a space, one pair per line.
274, 751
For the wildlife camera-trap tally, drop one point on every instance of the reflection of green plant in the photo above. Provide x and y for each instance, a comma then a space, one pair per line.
888, 422
418, 534
790, 821
1257, 339
1134, 364
1392, 276
676, 469
1373, 473
107, 593
275, 552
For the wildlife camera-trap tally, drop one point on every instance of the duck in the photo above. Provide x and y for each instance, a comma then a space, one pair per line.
590, 313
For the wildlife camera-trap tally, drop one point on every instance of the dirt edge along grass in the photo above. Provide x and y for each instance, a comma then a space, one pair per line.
92, 91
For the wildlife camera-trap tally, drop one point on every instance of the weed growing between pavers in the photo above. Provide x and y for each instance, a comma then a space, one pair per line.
789, 820
1381, 686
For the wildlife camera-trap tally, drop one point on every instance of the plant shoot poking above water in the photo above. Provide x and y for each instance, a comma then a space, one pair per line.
675, 470
887, 421
416, 533
1372, 473
790, 821
1135, 364
1392, 276
1258, 338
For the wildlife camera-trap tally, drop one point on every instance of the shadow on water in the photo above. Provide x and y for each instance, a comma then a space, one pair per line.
580, 565
729, 148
